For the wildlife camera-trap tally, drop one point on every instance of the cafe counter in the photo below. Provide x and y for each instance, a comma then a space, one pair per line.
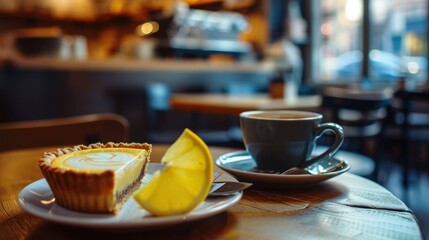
45, 88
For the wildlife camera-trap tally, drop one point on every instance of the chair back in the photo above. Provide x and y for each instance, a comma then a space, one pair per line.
84, 129
411, 102
409, 115
361, 113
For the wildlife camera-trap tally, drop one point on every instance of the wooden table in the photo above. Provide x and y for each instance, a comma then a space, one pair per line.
344, 207
225, 104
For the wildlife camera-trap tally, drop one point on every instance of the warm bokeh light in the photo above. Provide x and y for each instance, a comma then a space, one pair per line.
116, 6
413, 67
80, 9
147, 28
326, 29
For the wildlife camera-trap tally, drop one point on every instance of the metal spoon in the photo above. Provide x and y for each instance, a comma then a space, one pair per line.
323, 166
227, 188
296, 171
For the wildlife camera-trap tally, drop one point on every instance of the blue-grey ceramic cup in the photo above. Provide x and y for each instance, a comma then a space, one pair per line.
279, 140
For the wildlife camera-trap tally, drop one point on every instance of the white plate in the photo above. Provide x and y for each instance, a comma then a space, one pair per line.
38, 200
242, 166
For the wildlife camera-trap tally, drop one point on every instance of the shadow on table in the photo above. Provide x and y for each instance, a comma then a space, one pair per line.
208, 228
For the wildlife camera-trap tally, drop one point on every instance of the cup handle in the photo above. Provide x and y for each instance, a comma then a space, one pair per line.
320, 129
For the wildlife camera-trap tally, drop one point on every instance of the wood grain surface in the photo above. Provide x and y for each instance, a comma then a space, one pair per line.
345, 207
224, 104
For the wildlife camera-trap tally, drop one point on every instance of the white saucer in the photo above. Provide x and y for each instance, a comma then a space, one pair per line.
38, 200
242, 166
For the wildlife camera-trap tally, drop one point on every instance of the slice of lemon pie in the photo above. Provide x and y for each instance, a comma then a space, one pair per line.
95, 178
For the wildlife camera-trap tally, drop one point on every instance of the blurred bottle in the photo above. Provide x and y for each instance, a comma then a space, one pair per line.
406, 83
283, 85
276, 87
290, 87
401, 83
80, 48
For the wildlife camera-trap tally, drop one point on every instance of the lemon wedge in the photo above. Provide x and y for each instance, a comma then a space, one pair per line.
184, 182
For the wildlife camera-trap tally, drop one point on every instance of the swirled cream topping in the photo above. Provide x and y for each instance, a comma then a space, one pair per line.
97, 160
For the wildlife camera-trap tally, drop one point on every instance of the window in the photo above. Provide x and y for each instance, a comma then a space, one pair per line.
398, 45
396, 42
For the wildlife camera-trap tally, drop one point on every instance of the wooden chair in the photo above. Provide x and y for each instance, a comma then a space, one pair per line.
84, 129
361, 113
408, 125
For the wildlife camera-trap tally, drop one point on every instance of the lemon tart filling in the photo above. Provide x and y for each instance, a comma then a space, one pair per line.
95, 178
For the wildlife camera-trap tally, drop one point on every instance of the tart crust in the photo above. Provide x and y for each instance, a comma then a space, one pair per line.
90, 191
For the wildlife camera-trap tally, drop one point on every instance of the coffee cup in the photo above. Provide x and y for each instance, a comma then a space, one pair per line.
280, 140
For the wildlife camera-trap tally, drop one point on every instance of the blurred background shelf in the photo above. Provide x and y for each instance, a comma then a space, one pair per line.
124, 64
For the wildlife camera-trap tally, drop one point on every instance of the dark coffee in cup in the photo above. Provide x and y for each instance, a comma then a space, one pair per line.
279, 140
